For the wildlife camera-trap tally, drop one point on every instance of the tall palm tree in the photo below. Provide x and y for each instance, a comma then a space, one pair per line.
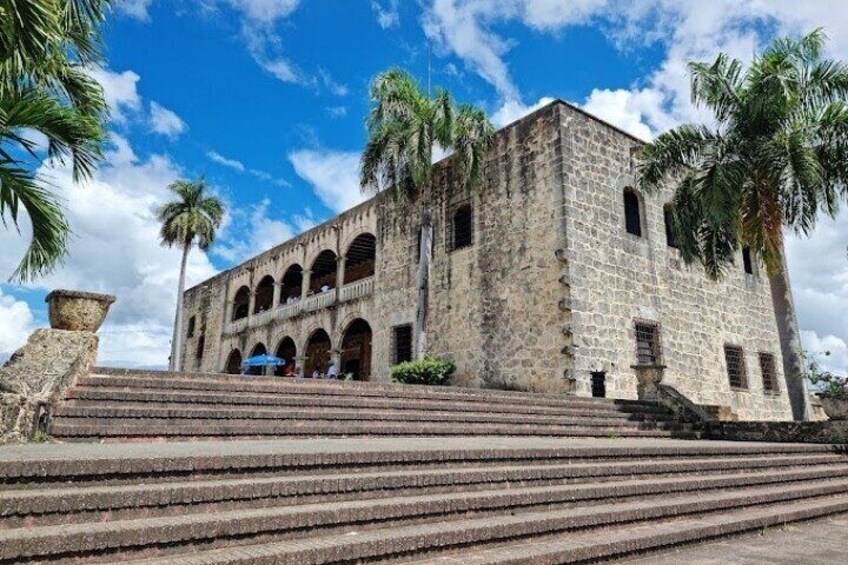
193, 217
776, 158
45, 47
404, 128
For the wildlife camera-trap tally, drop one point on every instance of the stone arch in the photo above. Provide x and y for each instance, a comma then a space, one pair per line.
233, 364
356, 346
286, 350
634, 212
241, 303
323, 272
258, 349
317, 351
291, 285
264, 295
360, 258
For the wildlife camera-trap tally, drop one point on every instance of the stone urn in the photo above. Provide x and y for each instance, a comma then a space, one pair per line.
77, 311
835, 408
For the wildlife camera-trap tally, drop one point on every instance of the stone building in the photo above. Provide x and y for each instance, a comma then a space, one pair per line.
556, 275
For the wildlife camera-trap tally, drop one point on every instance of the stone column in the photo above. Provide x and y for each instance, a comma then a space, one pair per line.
304, 291
277, 289
250, 305
648, 377
300, 365
340, 271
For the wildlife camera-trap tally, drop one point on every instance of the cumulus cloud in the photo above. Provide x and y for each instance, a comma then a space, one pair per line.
264, 232
165, 121
16, 323
512, 110
387, 13
334, 175
120, 91
830, 351
137, 9
620, 108
119, 252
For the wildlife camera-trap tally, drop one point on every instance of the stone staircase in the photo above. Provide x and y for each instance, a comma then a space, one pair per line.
121, 405
400, 500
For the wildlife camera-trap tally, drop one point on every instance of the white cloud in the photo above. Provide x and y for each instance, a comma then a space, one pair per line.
280, 68
264, 232
387, 14
115, 249
120, 91
337, 111
16, 323
334, 175
137, 9
830, 351
512, 110
264, 11
225, 161
165, 121
331, 85
620, 108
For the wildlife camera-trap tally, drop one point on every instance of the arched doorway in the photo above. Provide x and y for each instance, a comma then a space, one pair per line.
258, 349
318, 348
323, 277
287, 351
291, 285
233, 365
241, 303
356, 350
359, 259
264, 299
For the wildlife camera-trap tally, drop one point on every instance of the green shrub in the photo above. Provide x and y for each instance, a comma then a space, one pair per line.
427, 371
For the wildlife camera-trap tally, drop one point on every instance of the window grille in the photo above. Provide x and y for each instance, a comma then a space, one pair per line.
769, 372
463, 227
736, 373
647, 344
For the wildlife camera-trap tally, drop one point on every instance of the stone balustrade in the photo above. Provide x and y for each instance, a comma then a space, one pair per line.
318, 301
357, 289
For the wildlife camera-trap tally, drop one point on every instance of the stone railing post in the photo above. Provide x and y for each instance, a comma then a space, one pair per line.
250, 306
340, 272
648, 377
278, 288
307, 279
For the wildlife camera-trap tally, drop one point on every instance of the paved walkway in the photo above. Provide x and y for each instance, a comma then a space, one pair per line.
823, 542
147, 450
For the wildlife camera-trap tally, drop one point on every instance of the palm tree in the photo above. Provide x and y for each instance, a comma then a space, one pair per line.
776, 158
45, 46
193, 217
404, 127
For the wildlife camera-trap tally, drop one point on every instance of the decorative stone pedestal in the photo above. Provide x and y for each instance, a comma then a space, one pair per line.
78, 311
648, 377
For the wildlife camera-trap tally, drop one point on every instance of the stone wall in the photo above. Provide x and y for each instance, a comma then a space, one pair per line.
546, 294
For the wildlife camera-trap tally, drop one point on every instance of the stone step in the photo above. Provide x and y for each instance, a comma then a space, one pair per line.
111, 502
308, 387
90, 395
615, 542
515, 515
151, 411
116, 428
57, 464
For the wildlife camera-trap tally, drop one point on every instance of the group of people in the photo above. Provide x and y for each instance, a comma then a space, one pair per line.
291, 370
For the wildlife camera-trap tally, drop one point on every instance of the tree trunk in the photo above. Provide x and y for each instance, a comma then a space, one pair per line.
423, 282
790, 343
175, 363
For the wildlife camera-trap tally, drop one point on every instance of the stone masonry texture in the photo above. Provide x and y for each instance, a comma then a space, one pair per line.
547, 293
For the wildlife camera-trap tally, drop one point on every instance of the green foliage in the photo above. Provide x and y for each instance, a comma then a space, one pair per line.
405, 126
45, 47
777, 158
426, 371
825, 383
194, 215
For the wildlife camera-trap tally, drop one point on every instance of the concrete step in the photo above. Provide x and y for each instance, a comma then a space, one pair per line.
643, 537
308, 387
117, 428
512, 507
112, 502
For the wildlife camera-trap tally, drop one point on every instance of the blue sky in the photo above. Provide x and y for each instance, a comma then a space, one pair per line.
267, 99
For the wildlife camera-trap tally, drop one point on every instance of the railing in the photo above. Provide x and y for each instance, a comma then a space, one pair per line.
261, 318
288, 310
238, 325
318, 301
357, 289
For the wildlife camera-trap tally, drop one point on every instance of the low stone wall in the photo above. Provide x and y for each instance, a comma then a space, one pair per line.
833, 431
37, 375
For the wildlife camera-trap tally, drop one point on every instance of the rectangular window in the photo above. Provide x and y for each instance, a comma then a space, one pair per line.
769, 372
463, 227
734, 357
190, 329
746, 260
402, 344
201, 345
647, 343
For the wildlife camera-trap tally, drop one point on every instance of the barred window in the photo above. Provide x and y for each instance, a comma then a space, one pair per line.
190, 329
402, 344
463, 227
769, 372
647, 343
734, 356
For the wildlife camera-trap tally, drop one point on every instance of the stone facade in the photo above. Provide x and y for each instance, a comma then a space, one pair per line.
547, 293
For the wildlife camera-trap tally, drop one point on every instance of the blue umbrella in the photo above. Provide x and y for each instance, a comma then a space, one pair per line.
263, 361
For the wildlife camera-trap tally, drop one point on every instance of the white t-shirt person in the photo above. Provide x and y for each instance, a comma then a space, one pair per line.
333, 371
